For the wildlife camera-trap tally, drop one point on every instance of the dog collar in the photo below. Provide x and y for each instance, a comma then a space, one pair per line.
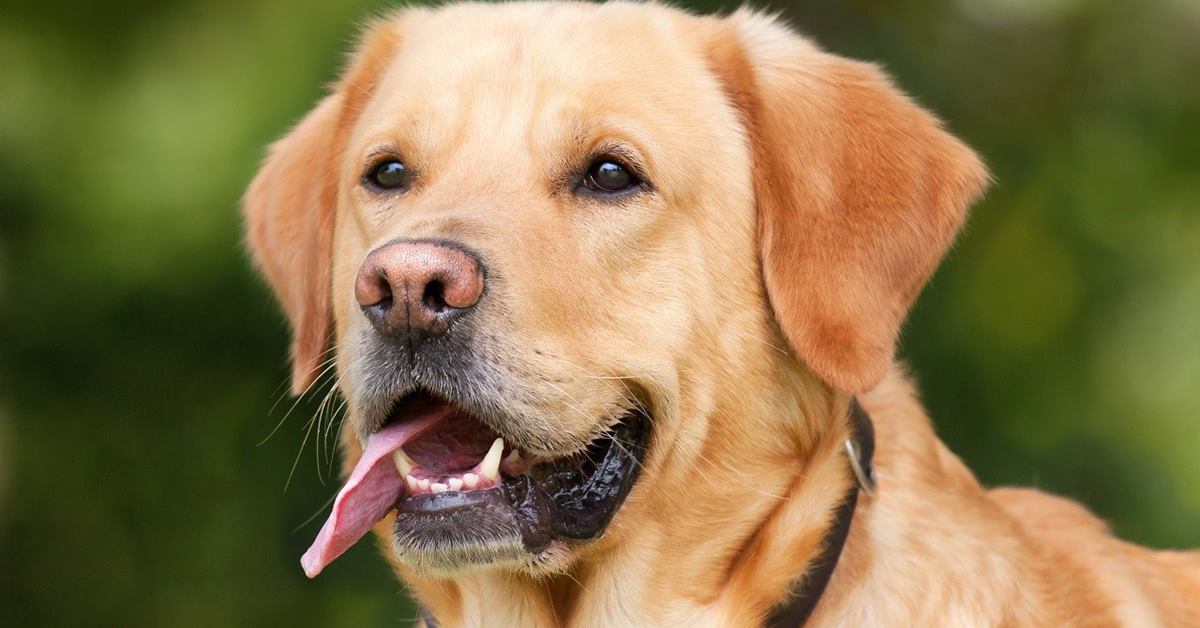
860, 448
795, 611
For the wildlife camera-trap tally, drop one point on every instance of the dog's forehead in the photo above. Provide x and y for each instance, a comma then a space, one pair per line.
526, 40
533, 71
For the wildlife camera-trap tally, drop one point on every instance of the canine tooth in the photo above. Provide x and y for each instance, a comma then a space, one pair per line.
512, 456
490, 467
424, 484
438, 487
470, 480
412, 483
456, 484
404, 464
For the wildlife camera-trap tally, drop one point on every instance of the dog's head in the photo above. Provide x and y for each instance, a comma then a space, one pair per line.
564, 247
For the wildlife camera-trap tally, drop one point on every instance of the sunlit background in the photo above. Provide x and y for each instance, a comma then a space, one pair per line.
140, 357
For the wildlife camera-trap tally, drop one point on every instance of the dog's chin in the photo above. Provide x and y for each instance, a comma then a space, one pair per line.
456, 539
534, 515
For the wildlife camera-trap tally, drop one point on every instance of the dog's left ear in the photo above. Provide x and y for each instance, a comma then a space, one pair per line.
289, 210
290, 207
859, 191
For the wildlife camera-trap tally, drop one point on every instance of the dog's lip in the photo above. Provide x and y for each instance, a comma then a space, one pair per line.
571, 496
403, 405
438, 459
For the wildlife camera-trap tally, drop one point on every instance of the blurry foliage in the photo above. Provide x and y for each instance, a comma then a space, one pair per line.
140, 357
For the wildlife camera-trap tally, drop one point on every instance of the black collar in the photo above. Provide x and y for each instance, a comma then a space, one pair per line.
794, 612
860, 447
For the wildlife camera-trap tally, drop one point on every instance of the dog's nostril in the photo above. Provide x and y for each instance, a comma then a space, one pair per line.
384, 292
434, 297
373, 289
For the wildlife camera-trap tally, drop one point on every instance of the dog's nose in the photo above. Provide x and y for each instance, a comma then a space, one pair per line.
416, 288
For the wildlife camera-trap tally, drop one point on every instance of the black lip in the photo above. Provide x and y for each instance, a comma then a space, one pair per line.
584, 502
572, 499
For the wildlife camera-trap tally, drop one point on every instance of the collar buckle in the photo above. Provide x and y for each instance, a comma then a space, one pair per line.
865, 474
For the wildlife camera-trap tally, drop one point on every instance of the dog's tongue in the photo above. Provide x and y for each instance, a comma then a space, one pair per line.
367, 496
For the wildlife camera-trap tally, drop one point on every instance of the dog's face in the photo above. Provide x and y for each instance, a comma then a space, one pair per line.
563, 248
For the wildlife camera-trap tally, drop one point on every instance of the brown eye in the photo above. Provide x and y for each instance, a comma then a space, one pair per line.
607, 176
388, 175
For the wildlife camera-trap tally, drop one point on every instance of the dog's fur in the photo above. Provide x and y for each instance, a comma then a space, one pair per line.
798, 204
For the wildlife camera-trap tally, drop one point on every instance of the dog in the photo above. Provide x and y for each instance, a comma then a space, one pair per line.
614, 292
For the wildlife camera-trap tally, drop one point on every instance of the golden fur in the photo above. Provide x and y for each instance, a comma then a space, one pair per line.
799, 203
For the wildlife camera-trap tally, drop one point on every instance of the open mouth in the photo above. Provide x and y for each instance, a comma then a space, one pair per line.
464, 495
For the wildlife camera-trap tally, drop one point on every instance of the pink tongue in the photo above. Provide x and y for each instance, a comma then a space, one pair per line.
368, 495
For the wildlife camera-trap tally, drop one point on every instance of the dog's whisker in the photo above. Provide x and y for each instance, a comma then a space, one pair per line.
746, 481
572, 399
553, 611
314, 385
636, 462
280, 393
331, 431
320, 417
589, 375
307, 432
577, 582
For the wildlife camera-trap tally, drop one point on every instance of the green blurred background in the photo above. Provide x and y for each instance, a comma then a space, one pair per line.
140, 357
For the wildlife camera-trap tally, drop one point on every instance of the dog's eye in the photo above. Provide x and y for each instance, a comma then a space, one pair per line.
390, 174
608, 176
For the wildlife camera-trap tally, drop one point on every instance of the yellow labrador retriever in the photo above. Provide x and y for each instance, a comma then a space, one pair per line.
614, 291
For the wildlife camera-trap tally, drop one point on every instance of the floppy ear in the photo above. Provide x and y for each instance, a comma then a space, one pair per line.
289, 211
290, 206
859, 192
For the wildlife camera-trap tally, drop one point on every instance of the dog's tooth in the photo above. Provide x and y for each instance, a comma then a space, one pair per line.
456, 484
404, 464
412, 483
470, 480
512, 456
423, 484
438, 487
490, 467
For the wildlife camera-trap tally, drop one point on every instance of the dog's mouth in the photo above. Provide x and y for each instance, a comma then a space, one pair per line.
463, 495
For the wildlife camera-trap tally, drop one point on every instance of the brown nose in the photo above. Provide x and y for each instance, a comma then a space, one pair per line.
415, 288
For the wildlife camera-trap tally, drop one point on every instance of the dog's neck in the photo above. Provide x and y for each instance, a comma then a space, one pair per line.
774, 511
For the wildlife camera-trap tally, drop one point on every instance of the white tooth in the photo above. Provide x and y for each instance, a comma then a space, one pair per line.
490, 467
404, 464
424, 484
470, 480
456, 484
412, 483
438, 487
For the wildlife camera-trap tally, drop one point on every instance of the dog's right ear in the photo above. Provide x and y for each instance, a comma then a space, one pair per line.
859, 193
290, 207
